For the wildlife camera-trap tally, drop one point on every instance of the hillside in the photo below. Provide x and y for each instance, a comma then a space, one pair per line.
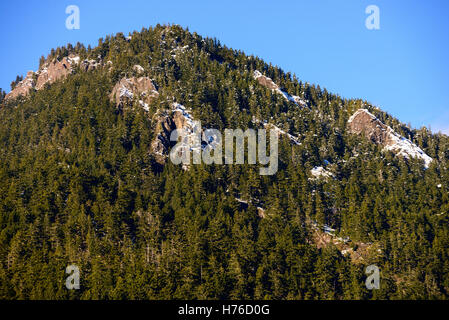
86, 180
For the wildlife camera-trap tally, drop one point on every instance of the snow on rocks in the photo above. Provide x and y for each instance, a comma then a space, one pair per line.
127, 89
268, 83
144, 105
279, 131
320, 172
138, 69
89, 65
292, 138
23, 87
54, 70
365, 123
261, 212
328, 230
51, 71
192, 129
175, 51
406, 148
176, 119
323, 236
74, 59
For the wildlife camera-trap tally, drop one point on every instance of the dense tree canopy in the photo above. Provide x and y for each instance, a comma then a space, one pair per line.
79, 185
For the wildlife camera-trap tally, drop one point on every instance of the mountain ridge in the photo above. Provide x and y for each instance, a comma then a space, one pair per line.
86, 181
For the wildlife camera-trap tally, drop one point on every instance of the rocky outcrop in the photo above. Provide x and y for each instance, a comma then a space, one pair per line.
56, 69
138, 69
358, 252
364, 123
89, 65
23, 87
166, 122
160, 145
52, 71
49, 72
320, 172
265, 81
127, 89
269, 83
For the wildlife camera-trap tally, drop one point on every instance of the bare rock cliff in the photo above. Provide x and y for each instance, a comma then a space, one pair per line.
365, 123
51, 71
54, 70
23, 87
129, 88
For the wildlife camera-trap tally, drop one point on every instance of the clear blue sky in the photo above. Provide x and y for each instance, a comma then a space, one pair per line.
402, 68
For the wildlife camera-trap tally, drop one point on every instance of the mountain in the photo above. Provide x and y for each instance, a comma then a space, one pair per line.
87, 180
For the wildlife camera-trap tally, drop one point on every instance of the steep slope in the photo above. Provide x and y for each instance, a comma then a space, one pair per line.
365, 123
268, 83
86, 180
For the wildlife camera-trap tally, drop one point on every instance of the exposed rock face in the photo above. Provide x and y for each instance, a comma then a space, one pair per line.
265, 81
178, 117
167, 121
89, 65
358, 252
138, 69
55, 70
23, 87
320, 172
160, 145
50, 72
128, 88
364, 123
268, 83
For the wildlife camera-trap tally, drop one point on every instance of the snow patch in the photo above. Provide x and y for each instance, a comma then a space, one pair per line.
406, 148
398, 144
351, 119
295, 99
125, 92
319, 172
74, 59
278, 130
138, 68
144, 105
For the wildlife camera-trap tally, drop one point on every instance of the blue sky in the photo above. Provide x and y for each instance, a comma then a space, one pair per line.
402, 68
